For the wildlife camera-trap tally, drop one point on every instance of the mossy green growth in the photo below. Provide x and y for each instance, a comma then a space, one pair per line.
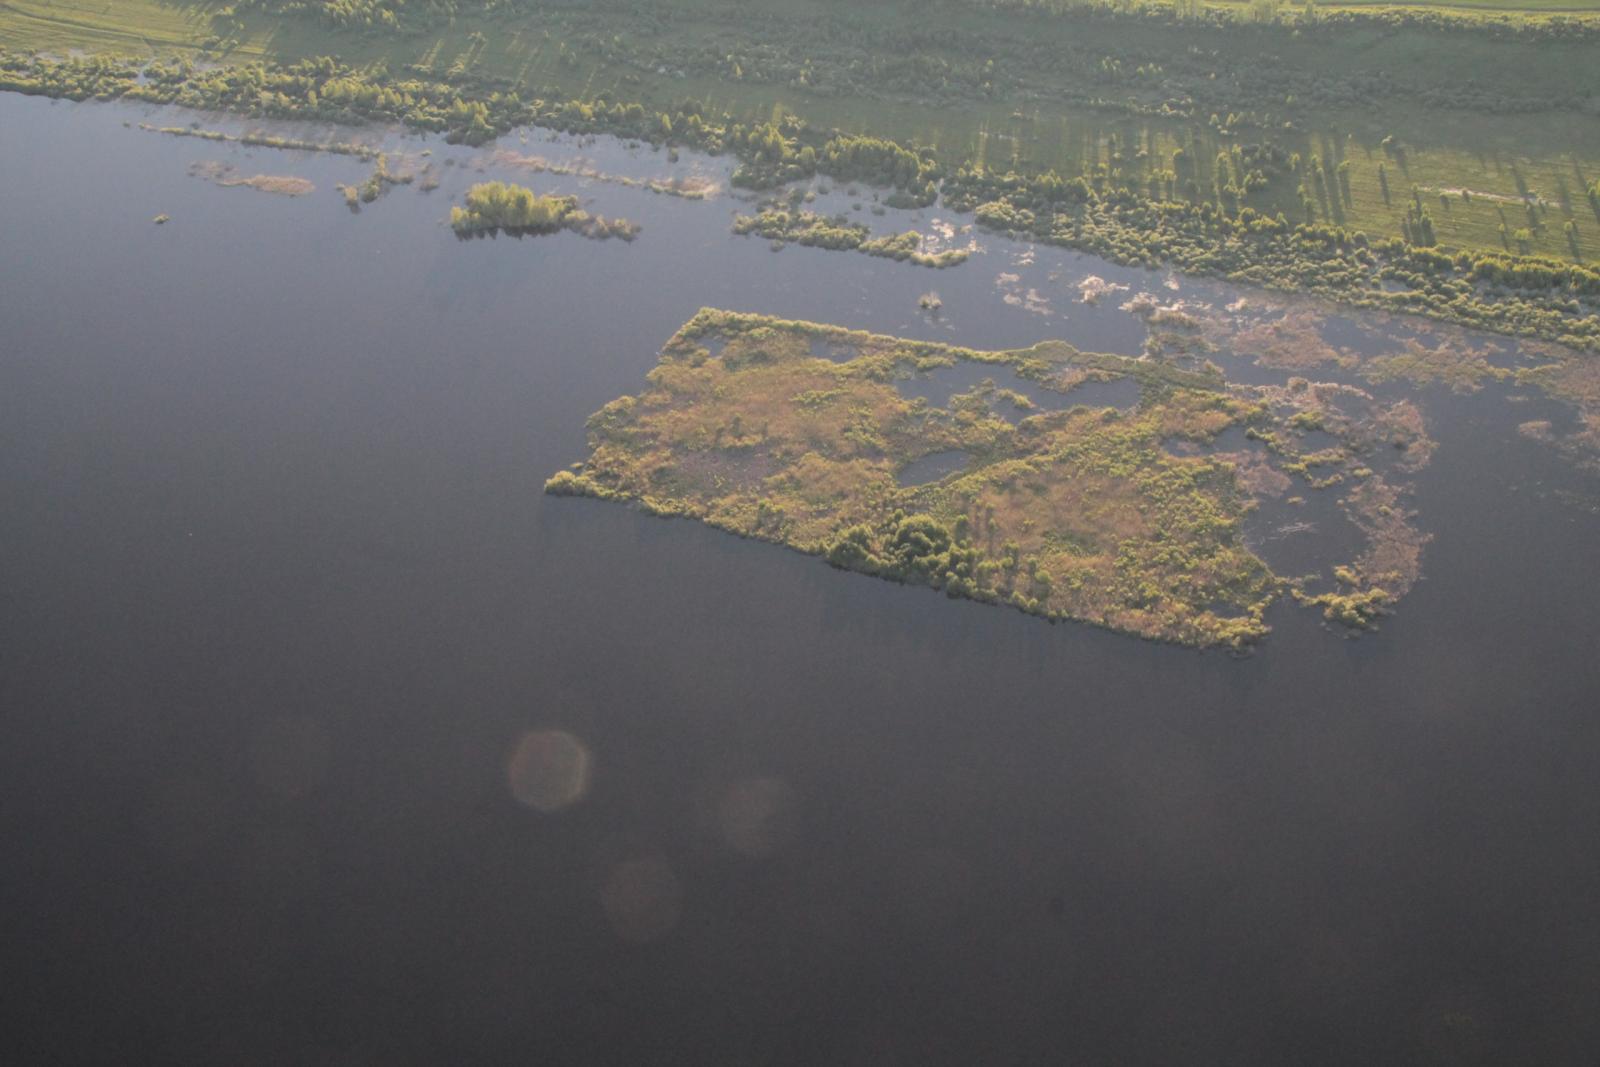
799, 433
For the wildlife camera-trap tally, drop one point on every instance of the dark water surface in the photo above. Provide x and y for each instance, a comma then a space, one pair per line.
280, 595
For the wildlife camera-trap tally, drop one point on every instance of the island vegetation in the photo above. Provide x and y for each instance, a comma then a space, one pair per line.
503, 207
801, 434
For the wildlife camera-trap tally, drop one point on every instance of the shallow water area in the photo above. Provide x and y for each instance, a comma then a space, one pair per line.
933, 467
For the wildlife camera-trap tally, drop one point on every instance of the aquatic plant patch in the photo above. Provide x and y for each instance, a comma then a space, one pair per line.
1133, 519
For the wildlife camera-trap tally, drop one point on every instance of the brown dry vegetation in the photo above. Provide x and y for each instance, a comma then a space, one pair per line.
225, 175
797, 433
1574, 378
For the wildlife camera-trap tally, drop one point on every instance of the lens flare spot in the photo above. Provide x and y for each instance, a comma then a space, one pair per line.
642, 898
549, 770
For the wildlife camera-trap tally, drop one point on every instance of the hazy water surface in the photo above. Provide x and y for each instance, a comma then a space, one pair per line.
280, 598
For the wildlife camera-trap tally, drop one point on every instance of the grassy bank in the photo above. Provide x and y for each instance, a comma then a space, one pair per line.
1288, 156
1504, 121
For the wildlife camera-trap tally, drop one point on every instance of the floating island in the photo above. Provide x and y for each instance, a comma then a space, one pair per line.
1107, 489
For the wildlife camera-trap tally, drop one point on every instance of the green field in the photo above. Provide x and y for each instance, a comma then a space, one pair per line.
1038, 115
1553, 7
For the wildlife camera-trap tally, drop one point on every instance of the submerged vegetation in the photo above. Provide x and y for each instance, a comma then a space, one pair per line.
1492, 291
225, 175
264, 140
1574, 378
801, 434
377, 183
693, 187
839, 233
503, 207
1291, 334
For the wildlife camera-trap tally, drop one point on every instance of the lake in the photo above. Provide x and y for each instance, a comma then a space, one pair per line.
280, 598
